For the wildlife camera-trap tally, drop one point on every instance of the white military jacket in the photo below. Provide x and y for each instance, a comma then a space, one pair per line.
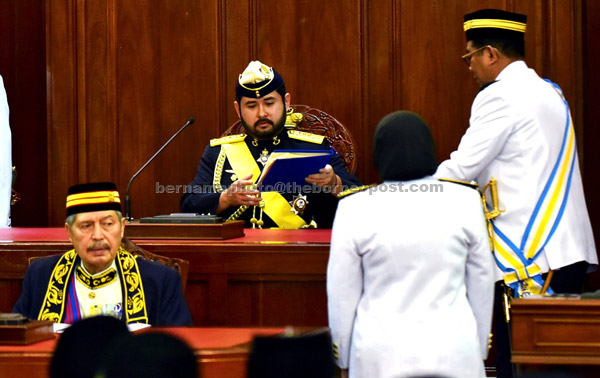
516, 131
410, 281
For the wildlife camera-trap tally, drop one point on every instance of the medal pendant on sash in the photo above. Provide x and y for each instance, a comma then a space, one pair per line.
264, 156
299, 204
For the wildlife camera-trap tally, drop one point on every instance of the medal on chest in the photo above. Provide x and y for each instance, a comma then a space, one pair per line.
264, 156
298, 204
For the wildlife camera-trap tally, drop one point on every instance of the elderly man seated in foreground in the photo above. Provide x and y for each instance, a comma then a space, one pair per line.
98, 276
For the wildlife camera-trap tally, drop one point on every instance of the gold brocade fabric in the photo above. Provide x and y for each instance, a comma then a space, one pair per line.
95, 282
54, 302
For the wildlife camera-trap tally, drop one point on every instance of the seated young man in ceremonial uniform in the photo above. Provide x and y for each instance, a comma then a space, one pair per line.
232, 164
98, 276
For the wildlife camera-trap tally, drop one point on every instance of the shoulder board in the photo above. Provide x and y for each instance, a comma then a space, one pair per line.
472, 184
356, 189
227, 139
306, 137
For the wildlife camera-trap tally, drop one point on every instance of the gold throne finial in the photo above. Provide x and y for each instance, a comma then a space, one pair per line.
292, 119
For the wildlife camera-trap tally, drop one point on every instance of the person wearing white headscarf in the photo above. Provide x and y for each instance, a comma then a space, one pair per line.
5, 159
410, 273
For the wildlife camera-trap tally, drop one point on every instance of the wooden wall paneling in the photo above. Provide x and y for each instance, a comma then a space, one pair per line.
298, 300
435, 83
196, 295
96, 103
138, 107
12, 286
62, 104
275, 300
243, 305
381, 93
316, 47
366, 172
167, 72
7, 36
537, 40
218, 298
566, 64
238, 50
188, 86
223, 103
590, 157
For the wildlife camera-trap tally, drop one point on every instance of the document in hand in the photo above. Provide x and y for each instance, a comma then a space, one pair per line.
291, 167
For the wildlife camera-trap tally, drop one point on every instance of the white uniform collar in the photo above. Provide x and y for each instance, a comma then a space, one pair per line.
518, 65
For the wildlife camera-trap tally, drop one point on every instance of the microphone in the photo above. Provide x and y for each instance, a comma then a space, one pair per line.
127, 202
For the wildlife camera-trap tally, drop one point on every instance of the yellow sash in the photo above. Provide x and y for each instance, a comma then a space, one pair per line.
276, 206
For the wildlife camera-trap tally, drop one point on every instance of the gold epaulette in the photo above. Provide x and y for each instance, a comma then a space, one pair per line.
227, 139
306, 137
472, 184
356, 189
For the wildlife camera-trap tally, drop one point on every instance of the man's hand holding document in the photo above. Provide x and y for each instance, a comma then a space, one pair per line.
286, 170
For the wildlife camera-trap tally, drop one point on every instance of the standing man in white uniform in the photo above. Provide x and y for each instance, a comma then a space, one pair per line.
521, 134
410, 275
5, 159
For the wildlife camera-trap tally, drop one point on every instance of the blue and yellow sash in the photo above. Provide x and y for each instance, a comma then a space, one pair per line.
517, 262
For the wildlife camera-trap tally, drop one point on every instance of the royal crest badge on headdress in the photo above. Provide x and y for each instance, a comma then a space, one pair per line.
257, 80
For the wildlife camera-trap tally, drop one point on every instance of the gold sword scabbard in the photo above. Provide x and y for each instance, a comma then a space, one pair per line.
493, 187
491, 215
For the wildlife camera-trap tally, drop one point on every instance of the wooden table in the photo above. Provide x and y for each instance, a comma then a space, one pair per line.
220, 352
552, 332
266, 278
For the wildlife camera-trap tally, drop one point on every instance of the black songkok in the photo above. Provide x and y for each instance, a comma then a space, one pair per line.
403, 148
495, 24
98, 196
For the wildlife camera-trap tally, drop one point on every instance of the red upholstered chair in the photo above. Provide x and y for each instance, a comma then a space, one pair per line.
305, 118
